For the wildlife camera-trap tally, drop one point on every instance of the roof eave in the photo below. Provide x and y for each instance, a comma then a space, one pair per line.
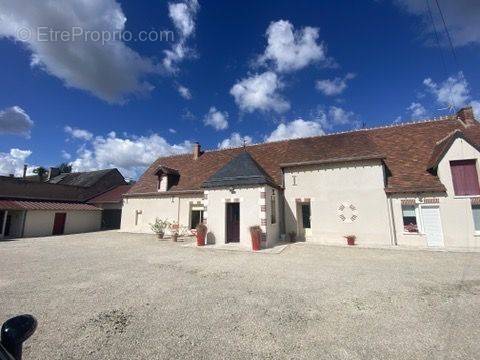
333, 161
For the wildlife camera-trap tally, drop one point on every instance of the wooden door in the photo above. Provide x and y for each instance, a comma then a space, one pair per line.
59, 223
233, 222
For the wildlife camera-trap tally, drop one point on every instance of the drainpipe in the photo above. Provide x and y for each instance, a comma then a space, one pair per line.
178, 213
393, 230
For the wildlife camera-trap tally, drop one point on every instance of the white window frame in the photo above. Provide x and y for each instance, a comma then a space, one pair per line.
417, 216
475, 231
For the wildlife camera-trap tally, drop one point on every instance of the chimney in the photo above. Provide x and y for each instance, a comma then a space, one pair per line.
52, 172
196, 151
25, 171
466, 116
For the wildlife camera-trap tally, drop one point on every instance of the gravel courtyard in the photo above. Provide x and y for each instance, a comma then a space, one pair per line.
122, 296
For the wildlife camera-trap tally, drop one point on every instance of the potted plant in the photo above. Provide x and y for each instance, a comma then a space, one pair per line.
293, 236
350, 239
201, 234
159, 226
177, 230
256, 234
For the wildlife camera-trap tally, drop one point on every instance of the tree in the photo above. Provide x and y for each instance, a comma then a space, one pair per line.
65, 168
40, 171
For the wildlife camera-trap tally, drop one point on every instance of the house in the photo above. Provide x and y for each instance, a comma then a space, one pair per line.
56, 205
413, 184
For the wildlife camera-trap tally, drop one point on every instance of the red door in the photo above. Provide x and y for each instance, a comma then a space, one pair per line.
59, 223
233, 222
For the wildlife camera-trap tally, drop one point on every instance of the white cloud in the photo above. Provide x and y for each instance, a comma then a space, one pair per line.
184, 92
461, 16
295, 129
476, 108
235, 140
182, 15
172, 131
14, 120
78, 133
66, 155
335, 86
341, 116
455, 91
289, 49
13, 161
335, 116
259, 92
131, 155
216, 119
417, 111
110, 70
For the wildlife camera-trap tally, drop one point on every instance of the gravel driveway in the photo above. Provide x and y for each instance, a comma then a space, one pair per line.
122, 296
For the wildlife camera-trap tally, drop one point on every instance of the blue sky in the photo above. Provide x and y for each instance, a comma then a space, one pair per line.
234, 71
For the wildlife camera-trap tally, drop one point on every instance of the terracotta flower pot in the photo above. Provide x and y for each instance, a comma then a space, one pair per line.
160, 235
256, 234
175, 237
200, 239
350, 240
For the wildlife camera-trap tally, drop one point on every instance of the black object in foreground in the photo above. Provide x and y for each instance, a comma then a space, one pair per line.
14, 333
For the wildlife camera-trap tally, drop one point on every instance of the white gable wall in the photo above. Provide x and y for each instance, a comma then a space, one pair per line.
455, 212
327, 187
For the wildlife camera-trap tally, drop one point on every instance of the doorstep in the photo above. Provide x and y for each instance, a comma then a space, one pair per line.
277, 249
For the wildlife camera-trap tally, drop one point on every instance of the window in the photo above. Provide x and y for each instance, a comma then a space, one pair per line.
196, 218
476, 217
273, 209
409, 215
464, 177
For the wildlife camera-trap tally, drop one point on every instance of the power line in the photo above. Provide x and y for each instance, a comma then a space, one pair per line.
448, 35
437, 38
451, 105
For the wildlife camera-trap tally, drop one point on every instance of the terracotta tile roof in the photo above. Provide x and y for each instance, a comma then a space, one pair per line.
44, 205
406, 149
114, 195
443, 145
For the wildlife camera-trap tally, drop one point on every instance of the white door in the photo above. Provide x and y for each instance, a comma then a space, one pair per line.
432, 225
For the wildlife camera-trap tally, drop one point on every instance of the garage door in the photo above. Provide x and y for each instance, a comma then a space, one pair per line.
111, 219
432, 225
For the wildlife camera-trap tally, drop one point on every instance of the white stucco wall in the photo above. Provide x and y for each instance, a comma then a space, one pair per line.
171, 208
40, 223
327, 187
455, 212
250, 202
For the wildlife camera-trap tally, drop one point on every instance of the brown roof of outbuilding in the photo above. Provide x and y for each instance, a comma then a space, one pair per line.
405, 150
44, 205
114, 195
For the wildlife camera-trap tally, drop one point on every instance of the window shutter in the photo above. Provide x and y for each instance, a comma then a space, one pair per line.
465, 178
471, 179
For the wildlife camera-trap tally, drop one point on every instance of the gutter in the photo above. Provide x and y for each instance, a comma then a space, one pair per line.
333, 161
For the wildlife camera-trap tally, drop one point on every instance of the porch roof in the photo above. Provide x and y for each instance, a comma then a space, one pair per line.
241, 170
44, 205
